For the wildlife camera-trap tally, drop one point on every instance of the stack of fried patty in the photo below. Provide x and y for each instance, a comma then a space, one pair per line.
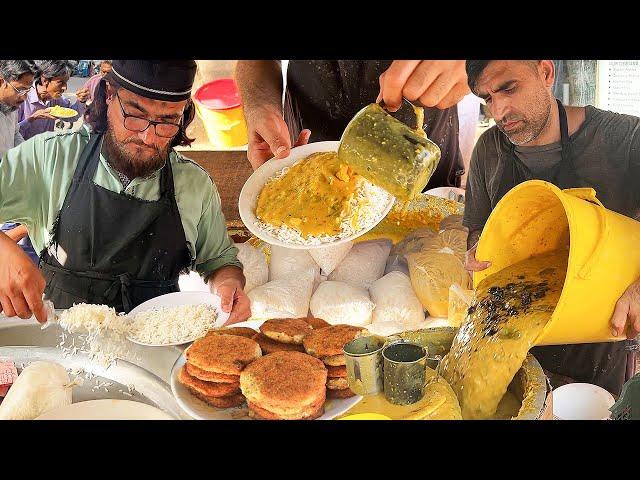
280, 334
327, 344
214, 364
285, 385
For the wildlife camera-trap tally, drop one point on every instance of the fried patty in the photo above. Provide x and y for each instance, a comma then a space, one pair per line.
209, 389
284, 383
239, 331
211, 376
268, 345
313, 412
286, 330
335, 361
337, 372
226, 354
337, 383
220, 402
329, 341
344, 393
317, 322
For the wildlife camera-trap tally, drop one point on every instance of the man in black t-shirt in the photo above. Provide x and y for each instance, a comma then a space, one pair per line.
536, 137
322, 96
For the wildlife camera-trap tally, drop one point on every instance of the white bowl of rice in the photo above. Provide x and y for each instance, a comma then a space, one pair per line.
373, 205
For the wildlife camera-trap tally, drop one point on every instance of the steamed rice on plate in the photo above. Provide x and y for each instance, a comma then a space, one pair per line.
62, 112
319, 200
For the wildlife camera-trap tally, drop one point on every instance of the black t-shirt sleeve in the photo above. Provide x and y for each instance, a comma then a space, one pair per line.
634, 160
477, 206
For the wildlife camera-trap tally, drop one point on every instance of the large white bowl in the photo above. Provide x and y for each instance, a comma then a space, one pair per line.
253, 186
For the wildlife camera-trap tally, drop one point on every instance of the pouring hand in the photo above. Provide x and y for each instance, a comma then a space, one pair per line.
21, 283
430, 83
626, 316
269, 136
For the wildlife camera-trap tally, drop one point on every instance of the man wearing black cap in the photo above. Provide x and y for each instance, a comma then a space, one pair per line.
116, 213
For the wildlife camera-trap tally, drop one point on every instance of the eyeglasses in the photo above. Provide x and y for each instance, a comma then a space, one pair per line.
21, 92
139, 124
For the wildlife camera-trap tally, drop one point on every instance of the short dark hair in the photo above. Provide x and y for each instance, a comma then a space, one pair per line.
476, 67
12, 70
96, 114
474, 70
108, 62
54, 68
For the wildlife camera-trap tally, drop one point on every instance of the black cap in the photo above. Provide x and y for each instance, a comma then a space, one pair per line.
168, 80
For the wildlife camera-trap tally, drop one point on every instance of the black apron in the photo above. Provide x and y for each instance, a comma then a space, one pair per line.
120, 250
604, 364
324, 95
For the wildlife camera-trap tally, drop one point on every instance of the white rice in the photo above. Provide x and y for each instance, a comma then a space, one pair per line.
179, 324
367, 210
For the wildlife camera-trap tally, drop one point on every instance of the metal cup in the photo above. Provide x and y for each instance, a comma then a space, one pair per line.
388, 153
364, 364
404, 372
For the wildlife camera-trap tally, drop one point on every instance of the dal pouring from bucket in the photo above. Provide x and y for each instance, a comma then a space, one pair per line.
513, 307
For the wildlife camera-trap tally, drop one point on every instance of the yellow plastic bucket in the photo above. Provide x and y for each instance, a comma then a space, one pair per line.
537, 217
219, 105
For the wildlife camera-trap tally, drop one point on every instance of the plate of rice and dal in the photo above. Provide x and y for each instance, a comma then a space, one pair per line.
62, 112
175, 319
310, 200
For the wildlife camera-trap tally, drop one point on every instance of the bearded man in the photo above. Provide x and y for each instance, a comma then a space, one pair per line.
536, 137
115, 212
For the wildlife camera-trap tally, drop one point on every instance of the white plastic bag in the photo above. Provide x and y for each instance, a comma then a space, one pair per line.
395, 300
255, 267
285, 263
364, 264
282, 298
40, 387
328, 258
339, 302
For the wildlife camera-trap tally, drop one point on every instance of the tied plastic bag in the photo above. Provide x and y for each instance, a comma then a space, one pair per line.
255, 267
287, 262
40, 387
364, 264
432, 273
453, 222
328, 258
339, 302
395, 300
283, 298
424, 239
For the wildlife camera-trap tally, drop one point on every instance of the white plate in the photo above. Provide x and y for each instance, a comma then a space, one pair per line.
450, 193
177, 299
106, 409
253, 186
199, 410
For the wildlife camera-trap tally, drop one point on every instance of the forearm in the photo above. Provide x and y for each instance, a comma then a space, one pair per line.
228, 272
18, 233
473, 237
260, 84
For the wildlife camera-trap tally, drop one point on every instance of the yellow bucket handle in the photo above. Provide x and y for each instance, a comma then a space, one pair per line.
589, 194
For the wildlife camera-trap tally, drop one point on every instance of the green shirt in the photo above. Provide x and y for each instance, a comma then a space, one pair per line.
36, 175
